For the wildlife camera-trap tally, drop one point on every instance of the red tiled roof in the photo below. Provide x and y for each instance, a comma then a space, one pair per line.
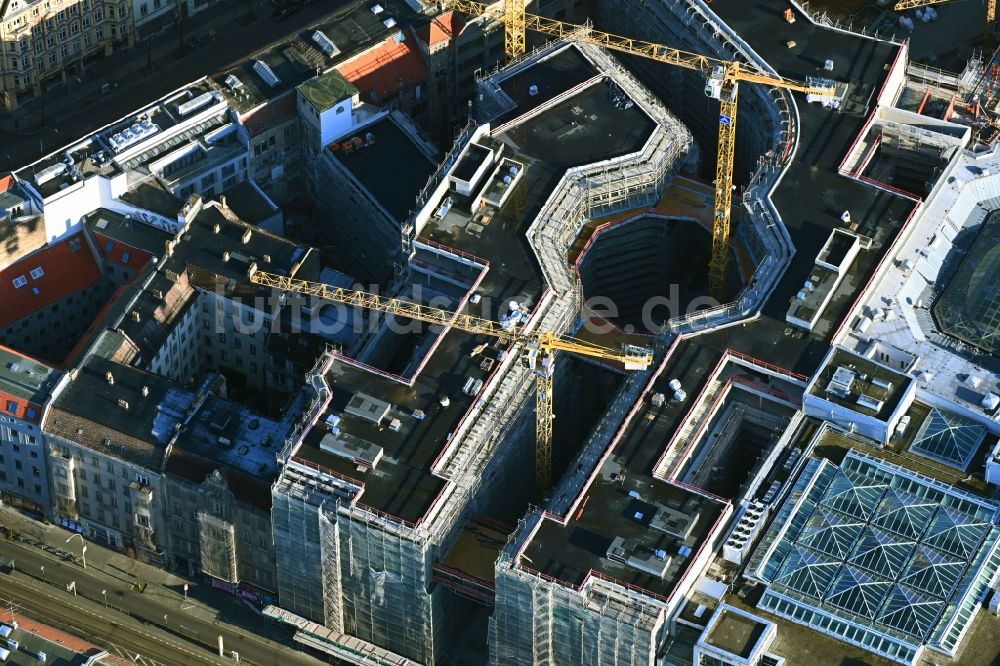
65, 271
446, 27
384, 67
50, 634
6, 183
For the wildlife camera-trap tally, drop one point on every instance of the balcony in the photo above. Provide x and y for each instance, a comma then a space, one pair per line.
141, 493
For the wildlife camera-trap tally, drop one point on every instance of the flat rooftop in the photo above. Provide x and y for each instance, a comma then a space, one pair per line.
613, 512
546, 79
735, 633
872, 380
824, 138
401, 483
233, 435
623, 488
583, 129
392, 168
98, 153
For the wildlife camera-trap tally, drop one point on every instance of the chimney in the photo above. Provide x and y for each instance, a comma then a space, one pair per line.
145, 391
123, 403
225, 256
110, 377
246, 236
216, 228
222, 200
267, 258
135, 315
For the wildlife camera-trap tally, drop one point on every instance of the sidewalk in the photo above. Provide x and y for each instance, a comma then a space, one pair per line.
202, 601
127, 66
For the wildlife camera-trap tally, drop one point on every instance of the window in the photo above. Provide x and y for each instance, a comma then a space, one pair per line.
20, 281
142, 520
37, 273
109, 247
12, 407
142, 479
253, 350
125, 257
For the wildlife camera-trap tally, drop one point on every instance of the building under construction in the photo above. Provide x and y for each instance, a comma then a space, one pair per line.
402, 452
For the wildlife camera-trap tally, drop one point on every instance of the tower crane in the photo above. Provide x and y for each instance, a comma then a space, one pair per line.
540, 347
722, 83
903, 5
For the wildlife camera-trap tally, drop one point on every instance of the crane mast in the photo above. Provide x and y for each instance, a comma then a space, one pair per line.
540, 347
723, 79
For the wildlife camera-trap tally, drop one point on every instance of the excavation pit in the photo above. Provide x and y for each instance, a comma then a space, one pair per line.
640, 272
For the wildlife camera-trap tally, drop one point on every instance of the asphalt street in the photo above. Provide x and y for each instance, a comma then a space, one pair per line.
232, 45
166, 631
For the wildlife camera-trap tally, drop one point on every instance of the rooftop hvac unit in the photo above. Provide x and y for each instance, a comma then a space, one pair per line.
195, 104
48, 173
325, 44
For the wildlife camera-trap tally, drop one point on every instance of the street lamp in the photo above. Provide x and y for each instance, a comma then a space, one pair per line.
83, 551
43, 574
104, 593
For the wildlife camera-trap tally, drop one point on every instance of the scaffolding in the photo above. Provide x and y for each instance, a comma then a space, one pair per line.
217, 542
539, 622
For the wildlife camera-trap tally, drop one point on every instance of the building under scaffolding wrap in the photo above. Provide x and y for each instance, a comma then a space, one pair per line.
363, 524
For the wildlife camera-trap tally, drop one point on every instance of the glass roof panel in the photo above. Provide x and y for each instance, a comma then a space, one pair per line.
948, 438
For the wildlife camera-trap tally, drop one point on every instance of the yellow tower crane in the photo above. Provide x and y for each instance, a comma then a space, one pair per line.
540, 348
903, 5
722, 83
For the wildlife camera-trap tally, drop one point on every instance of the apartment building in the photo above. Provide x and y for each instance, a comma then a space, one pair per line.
43, 41
51, 296
25, 387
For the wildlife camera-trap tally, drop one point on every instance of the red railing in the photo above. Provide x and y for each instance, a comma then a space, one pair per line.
451, 250
770, 366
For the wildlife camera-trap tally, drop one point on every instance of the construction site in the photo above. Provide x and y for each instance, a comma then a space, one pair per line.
681, 349
585, 176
